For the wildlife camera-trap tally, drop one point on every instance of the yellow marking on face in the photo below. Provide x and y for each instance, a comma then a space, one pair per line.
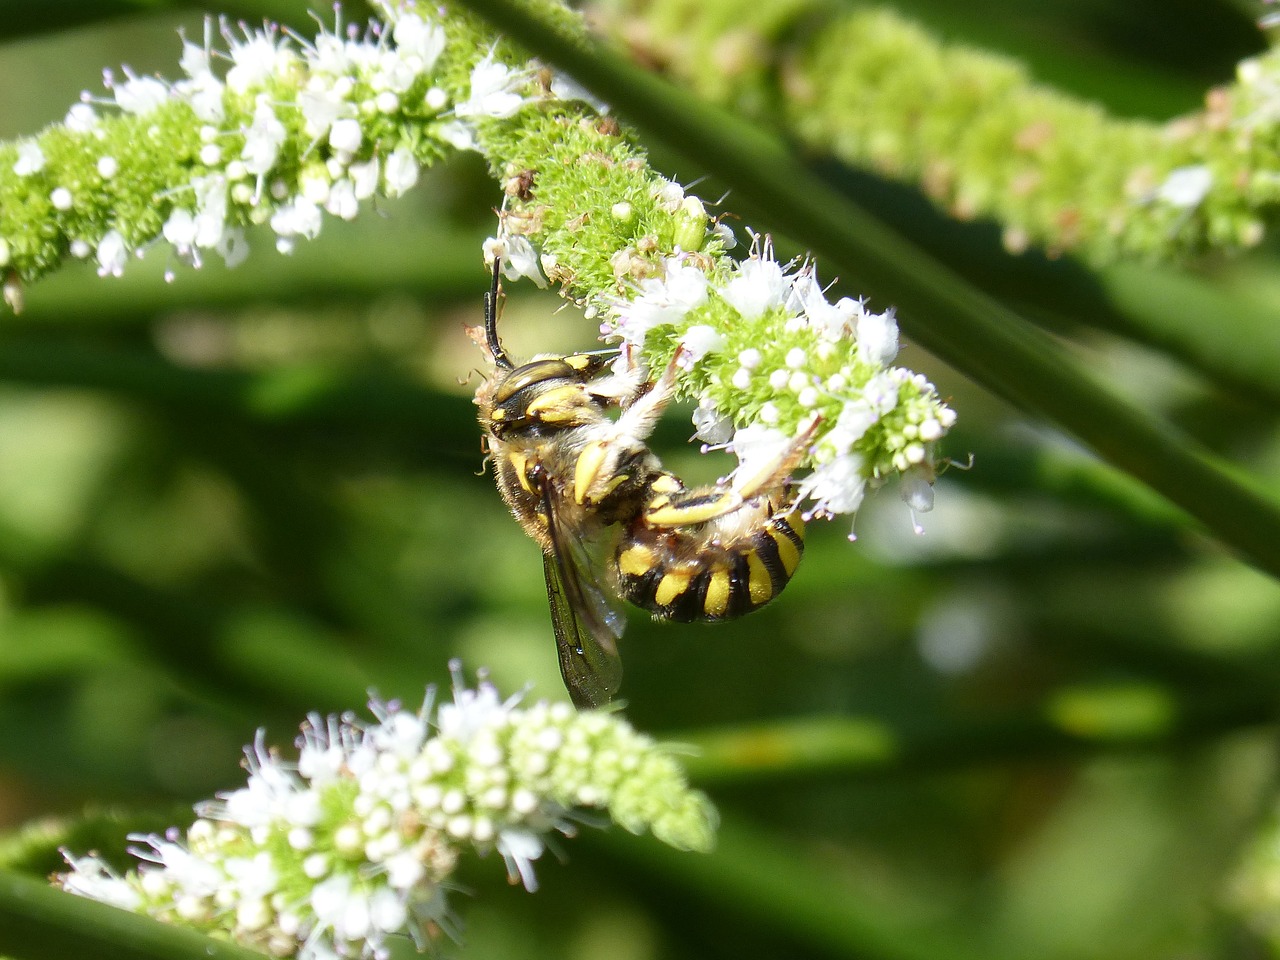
557, 404
699, 511
759, 583
636, 561
788, 553
716, 602
659, 501
587, 469
671, 586
533, 372
665, 483
520, 464
578, 361
498, 414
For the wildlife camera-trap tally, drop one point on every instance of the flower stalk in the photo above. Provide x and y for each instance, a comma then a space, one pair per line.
355, 841
973, 130
299, 128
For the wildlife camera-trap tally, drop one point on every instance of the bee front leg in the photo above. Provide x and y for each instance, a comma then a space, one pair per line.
620, 447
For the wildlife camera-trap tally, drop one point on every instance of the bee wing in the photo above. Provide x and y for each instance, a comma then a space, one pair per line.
587, 623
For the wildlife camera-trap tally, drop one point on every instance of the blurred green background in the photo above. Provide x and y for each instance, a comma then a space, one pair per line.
1042, 729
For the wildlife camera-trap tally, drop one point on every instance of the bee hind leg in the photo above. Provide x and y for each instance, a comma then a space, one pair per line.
752, 479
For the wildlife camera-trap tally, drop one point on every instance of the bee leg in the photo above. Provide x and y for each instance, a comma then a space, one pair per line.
684, 508
621, 445
773, 473
681, 508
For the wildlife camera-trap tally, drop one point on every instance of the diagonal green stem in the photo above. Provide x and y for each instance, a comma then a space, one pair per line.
974, 333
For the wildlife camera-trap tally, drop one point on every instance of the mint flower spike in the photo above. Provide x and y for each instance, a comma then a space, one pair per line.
294, 129
355, 841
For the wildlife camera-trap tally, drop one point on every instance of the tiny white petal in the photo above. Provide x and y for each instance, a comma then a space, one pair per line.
346, 135
1186, 187
30, 159
401, 171
81, 118
141, 95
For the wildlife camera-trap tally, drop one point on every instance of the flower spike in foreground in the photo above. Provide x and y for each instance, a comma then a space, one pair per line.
354, 842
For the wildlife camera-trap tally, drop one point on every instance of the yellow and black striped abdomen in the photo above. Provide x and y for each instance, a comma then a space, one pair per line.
698, 573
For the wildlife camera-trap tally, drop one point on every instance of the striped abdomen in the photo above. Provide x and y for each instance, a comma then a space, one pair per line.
696, 573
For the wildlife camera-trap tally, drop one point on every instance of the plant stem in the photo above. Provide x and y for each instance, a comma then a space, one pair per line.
960, 324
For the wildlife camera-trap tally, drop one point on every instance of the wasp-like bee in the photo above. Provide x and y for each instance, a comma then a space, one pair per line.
611, 521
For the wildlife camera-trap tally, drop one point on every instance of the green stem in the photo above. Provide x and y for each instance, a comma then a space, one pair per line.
38, 922
977, 335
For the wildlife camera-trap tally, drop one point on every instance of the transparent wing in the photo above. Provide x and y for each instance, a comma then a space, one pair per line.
587, 623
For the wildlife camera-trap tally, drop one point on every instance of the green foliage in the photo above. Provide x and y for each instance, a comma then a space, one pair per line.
1044, 728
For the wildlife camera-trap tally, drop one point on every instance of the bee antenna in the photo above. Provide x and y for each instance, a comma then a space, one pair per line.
500, 357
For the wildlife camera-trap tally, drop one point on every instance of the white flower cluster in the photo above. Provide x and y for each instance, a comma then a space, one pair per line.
293, 128
802, 364
351, 844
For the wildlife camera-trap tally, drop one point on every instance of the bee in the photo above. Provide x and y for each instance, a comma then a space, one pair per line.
611, 522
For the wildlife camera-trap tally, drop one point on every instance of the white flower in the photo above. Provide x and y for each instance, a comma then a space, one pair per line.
342, 201
457, 134
30, 159
877, 335
831, 321
856, 417
401, 171
493, 86
195, 60
202, 89
81, 118
418, 40
233, 247
211, 210
364, 178
881, 391
262, 140
141, 95
661, 301
471, 711
1186, 187
320, 109
836, 486
345, 135
699, 340
710, 426
760, 285
519, 849
256, 60
297, 218
91, 877
112, 253
519, 259
180, 230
